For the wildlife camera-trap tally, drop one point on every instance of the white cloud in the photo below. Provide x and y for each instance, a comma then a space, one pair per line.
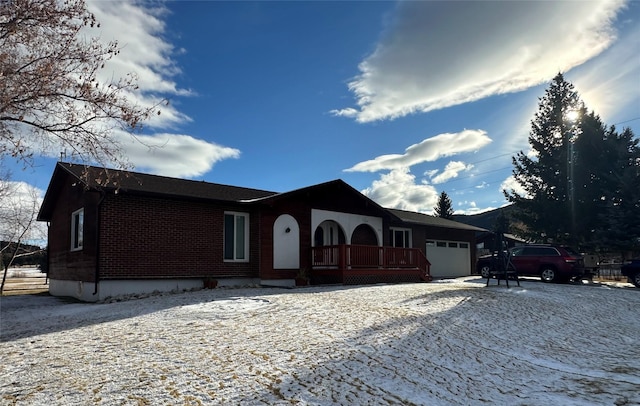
440, 54
610, 85
430, 149
474, 210
348, 112
139, 28
398, 190
450, 171
175, 155
510, 184
139, 31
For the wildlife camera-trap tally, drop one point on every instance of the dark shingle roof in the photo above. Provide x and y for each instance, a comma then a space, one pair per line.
126, 181
425, 219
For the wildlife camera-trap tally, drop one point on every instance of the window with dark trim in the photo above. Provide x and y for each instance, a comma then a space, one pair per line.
77, 229
236, 237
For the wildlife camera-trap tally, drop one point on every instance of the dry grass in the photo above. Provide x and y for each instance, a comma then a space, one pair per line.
25, 286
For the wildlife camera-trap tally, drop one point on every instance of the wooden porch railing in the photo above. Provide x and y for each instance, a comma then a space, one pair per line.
360, 259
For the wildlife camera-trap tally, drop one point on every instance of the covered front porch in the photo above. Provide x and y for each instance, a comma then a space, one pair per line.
366, 264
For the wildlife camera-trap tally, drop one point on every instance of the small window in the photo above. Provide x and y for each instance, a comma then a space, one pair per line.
431, 243
453, 245
400, 237
464, 245
236, 237
77, 229
441, 244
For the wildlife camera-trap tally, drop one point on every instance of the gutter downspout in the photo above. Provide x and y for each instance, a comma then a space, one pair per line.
98, 217
48, 256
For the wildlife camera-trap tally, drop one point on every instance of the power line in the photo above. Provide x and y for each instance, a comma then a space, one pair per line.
626, 121
499, 169
474, 175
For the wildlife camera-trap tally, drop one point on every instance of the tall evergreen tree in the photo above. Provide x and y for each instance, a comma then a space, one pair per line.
582, 180
588, 177
444, 208
546, 206
620, 217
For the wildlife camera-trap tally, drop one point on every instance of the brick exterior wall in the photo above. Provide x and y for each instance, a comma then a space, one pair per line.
147, 237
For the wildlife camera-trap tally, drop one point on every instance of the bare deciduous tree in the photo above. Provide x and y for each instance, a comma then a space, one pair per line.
18, 213
51, 93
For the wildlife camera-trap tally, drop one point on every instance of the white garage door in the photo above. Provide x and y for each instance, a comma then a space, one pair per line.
449, 259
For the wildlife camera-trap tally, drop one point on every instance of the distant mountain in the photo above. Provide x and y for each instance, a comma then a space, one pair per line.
486, 220
27, 254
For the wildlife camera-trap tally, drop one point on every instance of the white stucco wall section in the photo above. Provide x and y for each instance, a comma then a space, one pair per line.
121, 288
347, 221
286, 243
113, 288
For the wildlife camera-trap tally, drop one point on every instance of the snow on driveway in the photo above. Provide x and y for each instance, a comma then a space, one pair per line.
441, 343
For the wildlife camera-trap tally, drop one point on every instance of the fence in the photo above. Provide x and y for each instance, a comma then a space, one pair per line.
25, 280
610, 272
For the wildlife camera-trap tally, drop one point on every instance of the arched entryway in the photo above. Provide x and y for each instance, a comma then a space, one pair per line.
364, 234
328, 233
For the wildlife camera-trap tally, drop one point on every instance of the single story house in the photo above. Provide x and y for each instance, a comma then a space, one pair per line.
114, 233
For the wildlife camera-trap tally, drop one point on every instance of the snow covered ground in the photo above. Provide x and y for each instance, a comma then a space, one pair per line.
443, 343
24, 272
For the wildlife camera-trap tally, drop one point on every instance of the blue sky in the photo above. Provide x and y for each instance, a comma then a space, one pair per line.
402, 100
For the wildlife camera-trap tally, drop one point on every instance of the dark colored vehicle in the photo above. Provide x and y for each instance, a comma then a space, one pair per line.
550, 262
632, 271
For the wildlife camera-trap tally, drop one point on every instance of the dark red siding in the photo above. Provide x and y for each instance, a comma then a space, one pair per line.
299, 206
65, 264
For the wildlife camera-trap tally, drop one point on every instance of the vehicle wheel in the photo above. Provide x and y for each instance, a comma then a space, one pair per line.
635, 279
485, 271
548, 275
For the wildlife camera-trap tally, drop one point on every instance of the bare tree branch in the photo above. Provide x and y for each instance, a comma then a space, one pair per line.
50, 92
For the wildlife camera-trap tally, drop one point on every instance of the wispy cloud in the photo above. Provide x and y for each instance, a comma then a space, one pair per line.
398, 188
440, 54
430, 149
610, 85
451, 171
139, 28
139, 31
175, 155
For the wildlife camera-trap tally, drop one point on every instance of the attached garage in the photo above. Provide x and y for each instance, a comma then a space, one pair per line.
449, 259
449, 245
